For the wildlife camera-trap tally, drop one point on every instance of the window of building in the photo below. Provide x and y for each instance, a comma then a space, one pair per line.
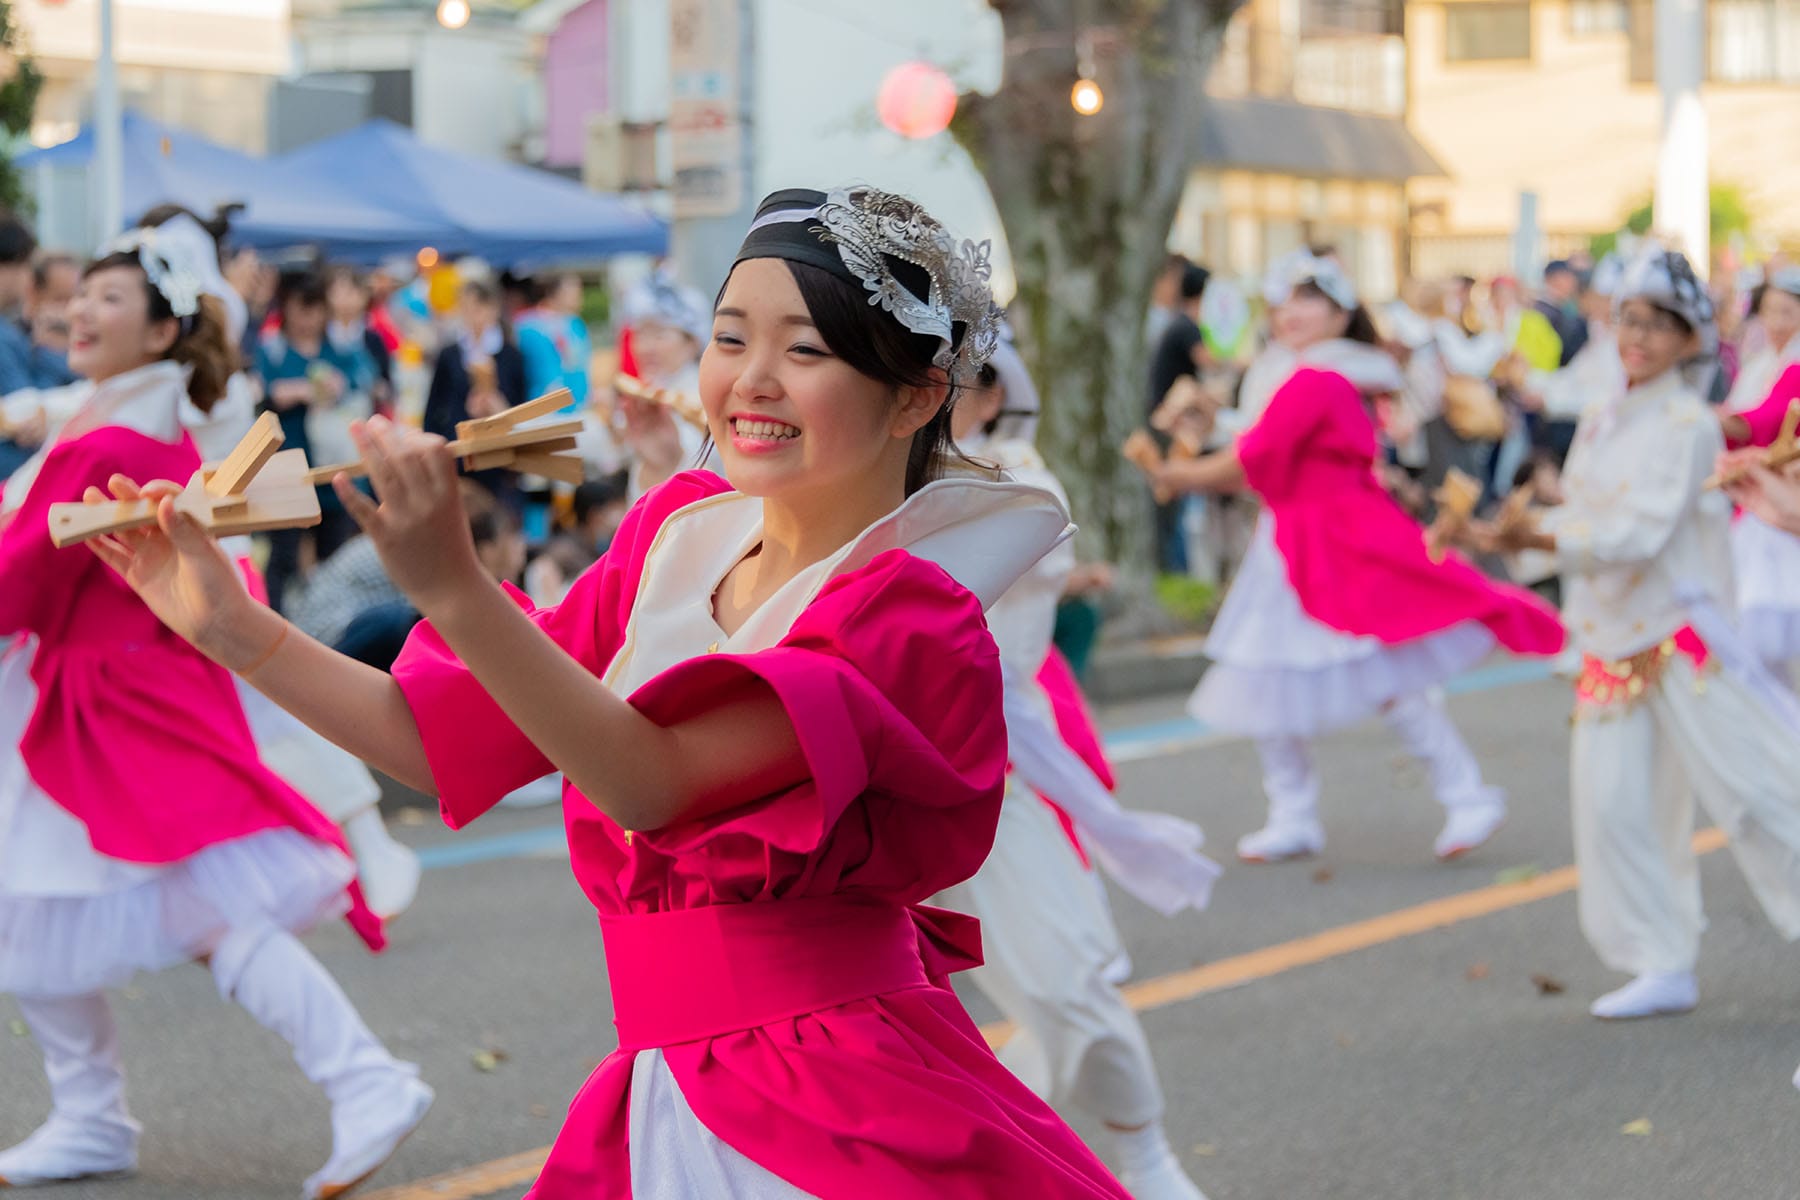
1487, 32
1599, 16
1753, 41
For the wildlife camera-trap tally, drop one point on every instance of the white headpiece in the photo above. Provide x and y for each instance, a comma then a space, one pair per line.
1303, 266
661, 299
1664, 278
1019, 414
180, 259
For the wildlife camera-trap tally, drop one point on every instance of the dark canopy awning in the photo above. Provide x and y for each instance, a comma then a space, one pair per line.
1287, 138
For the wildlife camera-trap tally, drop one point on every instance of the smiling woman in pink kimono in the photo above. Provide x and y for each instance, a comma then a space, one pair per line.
138, 829
779, 714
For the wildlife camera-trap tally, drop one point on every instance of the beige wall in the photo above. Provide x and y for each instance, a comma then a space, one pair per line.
1569, 126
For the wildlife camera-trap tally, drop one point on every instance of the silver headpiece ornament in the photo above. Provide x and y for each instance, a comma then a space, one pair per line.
177, 266
869, 226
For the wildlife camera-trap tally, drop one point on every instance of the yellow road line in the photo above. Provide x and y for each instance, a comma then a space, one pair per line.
487, 1178
470, 1183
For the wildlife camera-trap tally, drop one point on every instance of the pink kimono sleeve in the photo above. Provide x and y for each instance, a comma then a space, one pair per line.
1765, 419
476, 753
1274, 450
893, 686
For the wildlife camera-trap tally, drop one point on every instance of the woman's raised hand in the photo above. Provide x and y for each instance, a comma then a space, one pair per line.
651, 433
179, 571
417, 520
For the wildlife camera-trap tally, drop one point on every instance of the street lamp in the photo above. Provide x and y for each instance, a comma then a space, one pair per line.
453, 14
1086, 96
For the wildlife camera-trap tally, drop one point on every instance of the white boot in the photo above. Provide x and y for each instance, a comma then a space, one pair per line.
1292, 786
376, 1100
1652, 994
337, 783
1469, 826
89, 1134
1148, 1167
1473, 810
388, 871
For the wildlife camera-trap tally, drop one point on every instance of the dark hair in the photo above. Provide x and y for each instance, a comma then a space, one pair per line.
531, 290
1560, 266
40, 271
481, 289
1193, 281
596, 494
878, 346
305, 288
17, 244
203, 344
1362, 325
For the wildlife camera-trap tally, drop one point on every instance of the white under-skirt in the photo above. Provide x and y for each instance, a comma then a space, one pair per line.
73, 920
675, 1157
1278, 672
1767, 564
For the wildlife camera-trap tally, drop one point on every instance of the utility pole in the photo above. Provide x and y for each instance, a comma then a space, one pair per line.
1681, 203
106, 177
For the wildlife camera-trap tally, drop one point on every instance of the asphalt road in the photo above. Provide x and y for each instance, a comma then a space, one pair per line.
1387, 1060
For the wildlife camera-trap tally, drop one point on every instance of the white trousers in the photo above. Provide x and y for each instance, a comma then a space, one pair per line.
267, 971
1424, 727
1050, 944
1634, 775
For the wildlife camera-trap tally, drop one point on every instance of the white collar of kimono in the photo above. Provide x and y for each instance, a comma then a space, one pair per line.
145, 399
985, 533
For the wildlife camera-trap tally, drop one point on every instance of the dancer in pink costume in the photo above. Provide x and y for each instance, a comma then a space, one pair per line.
1338, 612
1766, 560
779, 714
175, 844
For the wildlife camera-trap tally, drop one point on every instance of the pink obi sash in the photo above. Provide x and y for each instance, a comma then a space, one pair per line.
1606, 685
699, 973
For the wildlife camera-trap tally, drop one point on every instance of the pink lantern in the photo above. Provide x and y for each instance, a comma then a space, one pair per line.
916, 100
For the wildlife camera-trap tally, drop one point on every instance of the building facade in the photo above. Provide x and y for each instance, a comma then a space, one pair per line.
1304, 142
206, 65
1558, 98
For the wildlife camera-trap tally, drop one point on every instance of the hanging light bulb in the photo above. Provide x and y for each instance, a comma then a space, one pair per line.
453, 14
1085, 97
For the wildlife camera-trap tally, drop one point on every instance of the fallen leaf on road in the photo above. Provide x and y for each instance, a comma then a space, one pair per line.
413, 815
488, 1060
1323, 875
1345, 1040
1521, 874
1637, 1128
1206, 1150
1478, 971
539, 1110
1547, 986
17, 1027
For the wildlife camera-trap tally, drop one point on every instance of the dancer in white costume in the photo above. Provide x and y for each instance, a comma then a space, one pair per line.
1670, 702
180, 846
1048, 937
1767, 560
1282, 675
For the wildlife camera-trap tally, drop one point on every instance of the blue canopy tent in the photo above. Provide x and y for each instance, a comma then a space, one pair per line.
164, 164
508, 214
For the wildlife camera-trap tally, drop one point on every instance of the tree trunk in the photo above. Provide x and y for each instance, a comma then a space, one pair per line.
1087, 204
